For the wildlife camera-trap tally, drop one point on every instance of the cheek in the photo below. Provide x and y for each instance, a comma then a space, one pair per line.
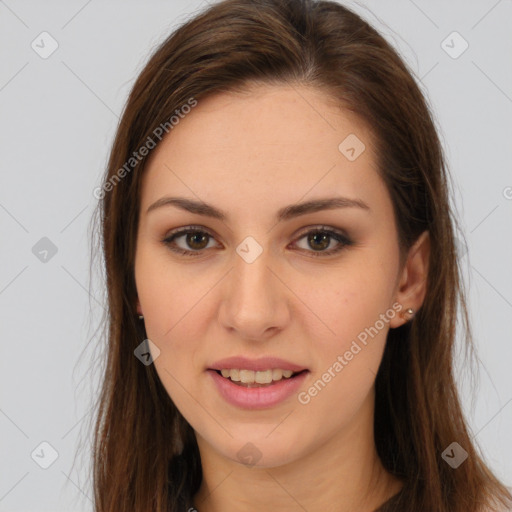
168, 295
178, 311
354, 304
174, 317
350, 299
347, 362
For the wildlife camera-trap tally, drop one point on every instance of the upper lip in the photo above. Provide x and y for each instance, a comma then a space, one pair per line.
261, 364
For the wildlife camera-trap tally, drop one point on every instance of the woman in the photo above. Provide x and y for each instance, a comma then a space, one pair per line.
282, 278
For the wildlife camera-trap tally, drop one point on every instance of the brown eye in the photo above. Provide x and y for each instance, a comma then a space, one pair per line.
193, 242
319, 239
196, 240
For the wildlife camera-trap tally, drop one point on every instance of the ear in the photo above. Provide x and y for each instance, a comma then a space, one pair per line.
412, 286
139, 309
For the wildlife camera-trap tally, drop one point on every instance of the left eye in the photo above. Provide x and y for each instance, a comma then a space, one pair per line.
197, 239
322, 237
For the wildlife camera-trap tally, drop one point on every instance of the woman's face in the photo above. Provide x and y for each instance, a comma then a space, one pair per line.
258, 283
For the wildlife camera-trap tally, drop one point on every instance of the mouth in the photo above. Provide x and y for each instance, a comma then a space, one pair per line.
257, 389
257, 379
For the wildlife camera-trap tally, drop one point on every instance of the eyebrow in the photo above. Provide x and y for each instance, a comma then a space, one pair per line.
286, 213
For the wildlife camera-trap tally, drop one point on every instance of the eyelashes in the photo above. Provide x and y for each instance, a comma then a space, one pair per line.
191, 235
169, 241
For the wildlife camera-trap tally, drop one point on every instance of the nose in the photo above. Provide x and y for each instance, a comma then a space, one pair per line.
255, 303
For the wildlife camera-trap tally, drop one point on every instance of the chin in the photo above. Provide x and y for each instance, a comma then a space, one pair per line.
261, 451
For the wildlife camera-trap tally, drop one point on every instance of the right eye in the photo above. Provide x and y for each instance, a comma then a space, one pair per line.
194, 237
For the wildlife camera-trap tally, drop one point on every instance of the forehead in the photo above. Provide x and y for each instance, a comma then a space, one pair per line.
267, 142
287, 121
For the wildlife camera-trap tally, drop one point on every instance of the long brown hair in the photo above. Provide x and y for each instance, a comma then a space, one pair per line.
145, 456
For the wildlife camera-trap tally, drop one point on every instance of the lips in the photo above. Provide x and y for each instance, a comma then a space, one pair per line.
257, 396
258, 365
252, 394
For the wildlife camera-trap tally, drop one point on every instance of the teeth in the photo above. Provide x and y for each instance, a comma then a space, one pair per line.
250, 376
247, 376
278, 374
263, 377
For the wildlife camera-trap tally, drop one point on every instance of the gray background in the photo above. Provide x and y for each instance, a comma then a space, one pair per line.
58, 118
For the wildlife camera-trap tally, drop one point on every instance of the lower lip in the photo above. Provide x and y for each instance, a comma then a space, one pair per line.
257, 398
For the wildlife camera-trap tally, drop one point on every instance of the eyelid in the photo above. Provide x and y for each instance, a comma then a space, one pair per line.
322, 228
189, 227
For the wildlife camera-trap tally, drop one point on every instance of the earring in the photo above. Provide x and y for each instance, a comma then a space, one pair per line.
141, 317
407, 314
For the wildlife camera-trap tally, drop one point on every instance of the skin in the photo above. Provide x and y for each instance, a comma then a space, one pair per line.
251, 154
